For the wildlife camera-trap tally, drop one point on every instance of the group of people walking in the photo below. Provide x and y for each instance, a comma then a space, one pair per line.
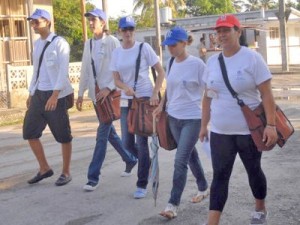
196, 95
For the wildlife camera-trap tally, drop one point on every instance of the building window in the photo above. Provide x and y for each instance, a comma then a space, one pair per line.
4, 28
19, 28
274, 33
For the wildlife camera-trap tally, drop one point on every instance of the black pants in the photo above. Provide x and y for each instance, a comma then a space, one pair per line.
224, 149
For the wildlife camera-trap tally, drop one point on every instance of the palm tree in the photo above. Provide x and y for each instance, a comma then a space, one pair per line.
147, 6
238, 5
267, 4
252, 5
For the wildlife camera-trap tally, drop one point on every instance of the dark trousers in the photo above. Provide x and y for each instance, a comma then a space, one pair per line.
224, 149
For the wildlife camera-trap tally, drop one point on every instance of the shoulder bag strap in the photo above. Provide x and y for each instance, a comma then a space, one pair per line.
42, 56
92, 61
226, 80
170, 65
137, 66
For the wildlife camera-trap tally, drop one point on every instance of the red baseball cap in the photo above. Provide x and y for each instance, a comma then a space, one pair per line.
227, 21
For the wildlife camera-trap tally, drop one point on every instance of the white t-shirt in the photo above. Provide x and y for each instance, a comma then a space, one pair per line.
246, 70
185, 88
124, 62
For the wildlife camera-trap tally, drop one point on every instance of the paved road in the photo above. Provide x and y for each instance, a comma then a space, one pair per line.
112, 202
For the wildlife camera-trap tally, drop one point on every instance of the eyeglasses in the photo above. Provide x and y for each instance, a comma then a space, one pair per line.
127, 29
172, 46
36, 22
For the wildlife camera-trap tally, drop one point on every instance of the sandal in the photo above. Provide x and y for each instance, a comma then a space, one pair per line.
170, 211
200, 196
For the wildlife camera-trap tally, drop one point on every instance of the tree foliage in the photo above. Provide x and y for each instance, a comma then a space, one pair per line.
68, 24
208, 7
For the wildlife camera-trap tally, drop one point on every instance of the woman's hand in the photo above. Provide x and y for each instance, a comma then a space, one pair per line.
203, 135
154, 100
129, 91
79, 102
270, 136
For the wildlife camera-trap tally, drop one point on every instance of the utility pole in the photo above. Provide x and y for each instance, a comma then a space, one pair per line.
283, 40
157, 28
104, 8
83, 20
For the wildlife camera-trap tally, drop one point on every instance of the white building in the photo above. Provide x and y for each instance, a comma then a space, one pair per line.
261, 31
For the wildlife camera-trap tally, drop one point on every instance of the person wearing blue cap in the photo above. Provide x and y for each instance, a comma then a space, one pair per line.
123, 65
97, 53
184, 94
47, 103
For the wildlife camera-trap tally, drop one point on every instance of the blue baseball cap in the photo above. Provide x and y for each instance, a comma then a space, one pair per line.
40, 13
126, 21
176, 34
97, 13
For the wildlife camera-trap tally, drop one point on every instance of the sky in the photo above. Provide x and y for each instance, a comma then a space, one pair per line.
116, 8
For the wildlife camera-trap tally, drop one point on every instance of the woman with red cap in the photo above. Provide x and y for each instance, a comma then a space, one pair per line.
250, 77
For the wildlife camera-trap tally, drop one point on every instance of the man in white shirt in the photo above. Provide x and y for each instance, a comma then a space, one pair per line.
47, 102
100, 48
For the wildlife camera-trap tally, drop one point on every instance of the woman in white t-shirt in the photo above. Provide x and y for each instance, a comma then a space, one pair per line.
250, 77
184, 93
123, 65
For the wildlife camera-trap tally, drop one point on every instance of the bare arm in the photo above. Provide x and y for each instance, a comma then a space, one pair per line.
270, 134
118, 82
159, 80
206, 101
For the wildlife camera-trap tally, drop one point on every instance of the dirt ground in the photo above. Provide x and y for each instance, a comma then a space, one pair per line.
112, 202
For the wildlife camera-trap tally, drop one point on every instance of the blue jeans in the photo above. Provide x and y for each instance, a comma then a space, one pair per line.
186, 133
106, 132
139, 149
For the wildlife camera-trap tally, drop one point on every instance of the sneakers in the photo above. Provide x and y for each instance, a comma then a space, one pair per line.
200, 196
90, 186
129, 167
140, 193
258, 218
170, 211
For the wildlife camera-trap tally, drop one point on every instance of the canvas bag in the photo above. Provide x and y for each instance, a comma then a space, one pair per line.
140, 118
109, 109
256, 119
165, 137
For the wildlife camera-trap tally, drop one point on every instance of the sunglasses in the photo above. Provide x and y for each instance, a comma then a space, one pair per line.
36, 22
173, 46
127, 29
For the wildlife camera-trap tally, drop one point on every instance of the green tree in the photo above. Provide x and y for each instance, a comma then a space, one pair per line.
68, 24
147, 10
238, 5
208, 7
267, 4
252, 5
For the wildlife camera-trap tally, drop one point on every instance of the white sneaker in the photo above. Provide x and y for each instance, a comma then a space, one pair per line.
170, 211
90, 186
258, 218
140, 193
125, 174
